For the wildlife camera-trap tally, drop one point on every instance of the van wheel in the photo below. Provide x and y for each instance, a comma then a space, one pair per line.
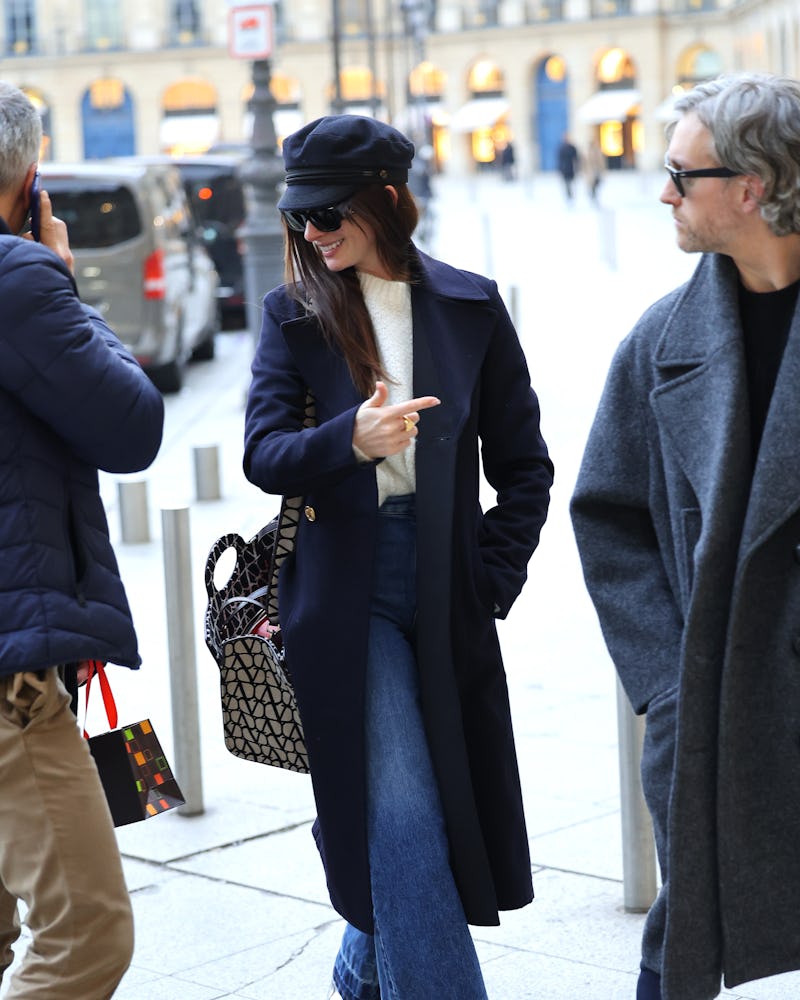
205, 349
167, 378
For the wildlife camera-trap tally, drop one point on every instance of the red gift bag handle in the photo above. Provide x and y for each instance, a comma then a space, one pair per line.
99, 668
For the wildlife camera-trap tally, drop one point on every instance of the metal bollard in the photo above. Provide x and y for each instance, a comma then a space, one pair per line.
638, 843
182, 657
134, 512
206, 472
607, 220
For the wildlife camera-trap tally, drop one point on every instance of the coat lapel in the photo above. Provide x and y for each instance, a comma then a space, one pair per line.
702, 403
452, 327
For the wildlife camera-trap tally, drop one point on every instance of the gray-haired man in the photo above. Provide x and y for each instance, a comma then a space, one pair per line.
687, 516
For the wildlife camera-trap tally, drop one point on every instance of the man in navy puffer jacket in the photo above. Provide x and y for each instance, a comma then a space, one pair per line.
72, 401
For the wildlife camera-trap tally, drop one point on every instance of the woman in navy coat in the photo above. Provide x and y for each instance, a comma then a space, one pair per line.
388, 603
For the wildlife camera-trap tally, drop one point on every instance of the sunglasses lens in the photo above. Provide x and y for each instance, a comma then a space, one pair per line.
675, 180
327, 220
295, 220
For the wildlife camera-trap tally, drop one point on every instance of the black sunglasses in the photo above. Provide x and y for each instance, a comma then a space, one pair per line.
678, 175
327, 220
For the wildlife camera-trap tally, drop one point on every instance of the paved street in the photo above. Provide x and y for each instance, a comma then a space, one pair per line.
232, 903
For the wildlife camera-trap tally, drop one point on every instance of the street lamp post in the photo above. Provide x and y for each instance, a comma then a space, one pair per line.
261, 172
338, 103
250, 36
416, 14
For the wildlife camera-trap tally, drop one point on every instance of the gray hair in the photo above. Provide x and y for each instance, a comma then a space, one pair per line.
754, 121
20, 135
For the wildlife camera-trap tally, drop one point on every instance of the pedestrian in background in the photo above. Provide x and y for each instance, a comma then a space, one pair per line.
595, 168
687, 516
72, 401
568, 165
508, 161
389, 600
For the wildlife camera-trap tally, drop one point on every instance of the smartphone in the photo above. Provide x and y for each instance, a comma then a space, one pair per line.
34, 209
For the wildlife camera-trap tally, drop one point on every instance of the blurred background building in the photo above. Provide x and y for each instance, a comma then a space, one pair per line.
463, 77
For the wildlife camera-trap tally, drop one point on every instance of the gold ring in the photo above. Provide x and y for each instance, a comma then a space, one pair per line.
408, 424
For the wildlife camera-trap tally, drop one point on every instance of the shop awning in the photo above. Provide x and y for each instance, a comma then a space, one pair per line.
609, 106
480, 112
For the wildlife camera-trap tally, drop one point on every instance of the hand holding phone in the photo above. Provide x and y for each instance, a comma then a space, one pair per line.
35, 212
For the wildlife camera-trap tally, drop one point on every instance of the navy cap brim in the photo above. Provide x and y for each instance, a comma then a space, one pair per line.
301, 197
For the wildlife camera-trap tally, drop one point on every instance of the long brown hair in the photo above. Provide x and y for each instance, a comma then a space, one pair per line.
334, 298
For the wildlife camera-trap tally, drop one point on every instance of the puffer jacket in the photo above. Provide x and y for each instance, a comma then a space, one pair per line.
72, 401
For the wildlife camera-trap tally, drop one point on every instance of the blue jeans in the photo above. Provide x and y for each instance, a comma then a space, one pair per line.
422, 948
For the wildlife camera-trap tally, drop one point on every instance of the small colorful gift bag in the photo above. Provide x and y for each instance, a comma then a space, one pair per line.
136, 776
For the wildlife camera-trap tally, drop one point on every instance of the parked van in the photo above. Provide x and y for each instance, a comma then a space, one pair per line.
216, 193
139, 260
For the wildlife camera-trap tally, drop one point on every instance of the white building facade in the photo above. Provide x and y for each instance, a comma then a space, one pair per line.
464, 77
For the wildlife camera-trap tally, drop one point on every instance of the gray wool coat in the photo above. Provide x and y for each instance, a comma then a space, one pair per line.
691, 552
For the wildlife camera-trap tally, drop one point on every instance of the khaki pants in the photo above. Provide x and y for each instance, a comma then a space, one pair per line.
58, 852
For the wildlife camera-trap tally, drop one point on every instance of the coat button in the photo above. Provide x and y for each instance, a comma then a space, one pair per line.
311, 515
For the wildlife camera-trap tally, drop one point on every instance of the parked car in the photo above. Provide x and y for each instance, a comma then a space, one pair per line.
139, 260
215, 190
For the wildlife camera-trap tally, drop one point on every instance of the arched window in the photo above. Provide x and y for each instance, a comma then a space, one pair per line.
108, 128
697, 63
552, 111
190, 123
485, 116
360, 95
615, 69
615, 109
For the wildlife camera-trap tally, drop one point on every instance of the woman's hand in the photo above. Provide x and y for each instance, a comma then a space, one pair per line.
382, 430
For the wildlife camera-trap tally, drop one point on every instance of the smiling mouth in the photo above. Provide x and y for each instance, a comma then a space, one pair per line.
328, 248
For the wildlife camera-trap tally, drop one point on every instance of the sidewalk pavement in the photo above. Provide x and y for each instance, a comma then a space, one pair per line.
232, 903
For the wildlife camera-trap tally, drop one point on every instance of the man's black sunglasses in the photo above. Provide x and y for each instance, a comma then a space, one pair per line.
678, 175
327, 220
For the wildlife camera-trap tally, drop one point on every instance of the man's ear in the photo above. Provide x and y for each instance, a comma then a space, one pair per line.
753, 193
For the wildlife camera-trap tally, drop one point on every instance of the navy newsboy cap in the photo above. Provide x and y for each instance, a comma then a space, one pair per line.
329, 159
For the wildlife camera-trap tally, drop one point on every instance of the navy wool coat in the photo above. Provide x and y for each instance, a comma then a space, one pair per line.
690, 543
72, 401
471, 566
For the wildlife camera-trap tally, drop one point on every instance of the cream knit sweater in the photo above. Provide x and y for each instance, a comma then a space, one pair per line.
389, 307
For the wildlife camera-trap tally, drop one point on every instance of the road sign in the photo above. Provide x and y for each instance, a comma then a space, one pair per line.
250, 32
